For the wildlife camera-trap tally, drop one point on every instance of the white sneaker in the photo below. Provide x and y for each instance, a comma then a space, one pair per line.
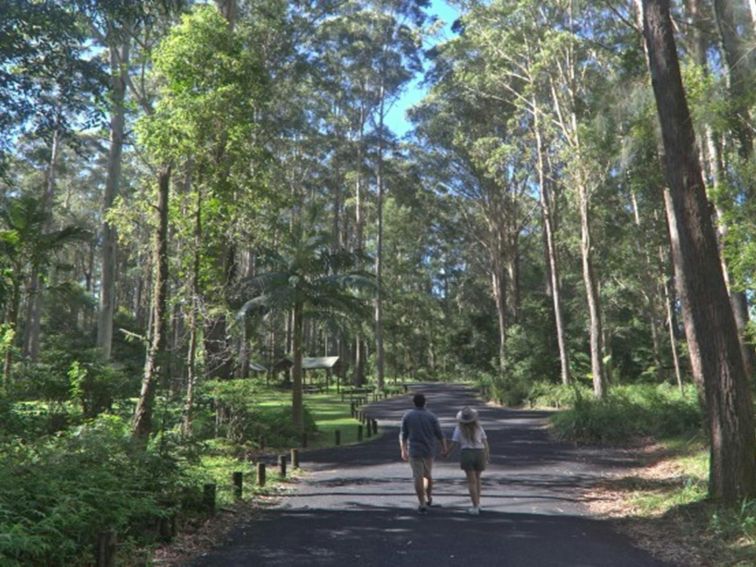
473, 511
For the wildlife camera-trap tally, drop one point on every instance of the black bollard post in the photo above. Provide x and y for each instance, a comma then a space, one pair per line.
238, 479
208, 498
260, 474
105, 550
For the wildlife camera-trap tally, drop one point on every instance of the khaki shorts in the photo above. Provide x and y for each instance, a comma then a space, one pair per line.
421, 467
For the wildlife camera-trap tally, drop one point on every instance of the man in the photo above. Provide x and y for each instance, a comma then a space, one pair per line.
417, 441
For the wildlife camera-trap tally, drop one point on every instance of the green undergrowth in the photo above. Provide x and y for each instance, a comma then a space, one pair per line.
629, 412
65, 478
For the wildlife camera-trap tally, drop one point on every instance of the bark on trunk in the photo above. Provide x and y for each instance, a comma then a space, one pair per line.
191, 364
119, 61
379, 361
592, 296
296, 371
666, 289
551, 251
358, 379
498, 291
156, 354
709, 323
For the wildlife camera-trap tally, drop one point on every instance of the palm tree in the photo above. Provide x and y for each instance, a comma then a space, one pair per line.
309, 280
25, 246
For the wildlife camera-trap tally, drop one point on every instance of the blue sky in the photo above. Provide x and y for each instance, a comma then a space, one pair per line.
396, 118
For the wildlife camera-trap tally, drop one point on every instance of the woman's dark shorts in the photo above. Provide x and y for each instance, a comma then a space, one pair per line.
472, 460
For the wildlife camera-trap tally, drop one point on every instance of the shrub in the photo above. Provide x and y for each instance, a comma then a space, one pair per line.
548, 394
95, 385
245, 419
57, 494
628, 412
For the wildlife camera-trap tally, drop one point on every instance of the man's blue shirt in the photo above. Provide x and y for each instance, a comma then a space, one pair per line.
421, 428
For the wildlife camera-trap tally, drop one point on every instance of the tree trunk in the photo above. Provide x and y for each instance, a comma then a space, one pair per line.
649, 289
156, 353
358, 378
12, 320
119, 63
34, 307
296, 370
592, 296
379, 361
218, 360
666, 288
498, 291
191, 364
709, 323
551, 251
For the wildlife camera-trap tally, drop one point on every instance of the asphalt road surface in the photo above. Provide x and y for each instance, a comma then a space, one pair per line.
356, 505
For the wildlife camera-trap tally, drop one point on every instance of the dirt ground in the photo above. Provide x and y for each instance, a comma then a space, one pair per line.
677, 537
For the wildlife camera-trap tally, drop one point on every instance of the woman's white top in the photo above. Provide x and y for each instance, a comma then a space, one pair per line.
464, 443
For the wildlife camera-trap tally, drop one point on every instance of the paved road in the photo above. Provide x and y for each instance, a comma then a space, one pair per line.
356, 506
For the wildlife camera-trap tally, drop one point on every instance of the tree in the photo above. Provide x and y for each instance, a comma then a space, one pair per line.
709, 323
156, 361
313, 282
204, 124
26, 246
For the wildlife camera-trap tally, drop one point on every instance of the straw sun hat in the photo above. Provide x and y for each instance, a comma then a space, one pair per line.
467, 415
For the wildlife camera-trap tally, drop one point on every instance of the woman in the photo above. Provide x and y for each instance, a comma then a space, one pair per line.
474, 453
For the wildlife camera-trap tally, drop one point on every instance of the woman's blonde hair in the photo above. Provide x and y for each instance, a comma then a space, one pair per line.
469, 430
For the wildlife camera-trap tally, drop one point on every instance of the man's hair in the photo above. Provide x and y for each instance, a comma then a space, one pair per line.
418, 400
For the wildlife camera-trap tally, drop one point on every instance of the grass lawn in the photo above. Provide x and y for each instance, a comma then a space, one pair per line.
328, 411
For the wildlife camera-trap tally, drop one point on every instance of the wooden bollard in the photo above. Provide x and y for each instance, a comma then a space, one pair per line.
167, 527
105, 550
353, 409
260, 474
304, 440
359, 433
295, 458
208, 498
238, 479
337, 437
368, 428
282, 465
375, 426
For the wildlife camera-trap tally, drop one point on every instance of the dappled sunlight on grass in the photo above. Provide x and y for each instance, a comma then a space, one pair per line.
327, 409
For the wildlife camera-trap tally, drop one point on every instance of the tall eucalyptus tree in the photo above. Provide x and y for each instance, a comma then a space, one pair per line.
709, 323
